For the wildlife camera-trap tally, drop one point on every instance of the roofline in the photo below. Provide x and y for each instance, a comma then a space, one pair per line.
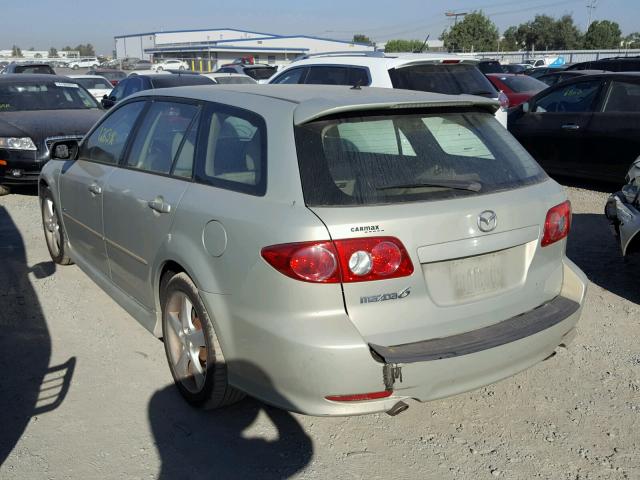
196, 30
213, 49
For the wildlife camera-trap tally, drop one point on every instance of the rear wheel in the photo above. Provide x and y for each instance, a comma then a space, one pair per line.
75, 67
192, 347
53, 230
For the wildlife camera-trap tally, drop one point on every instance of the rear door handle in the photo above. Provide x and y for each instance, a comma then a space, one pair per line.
95, 189
159, 205
571, 126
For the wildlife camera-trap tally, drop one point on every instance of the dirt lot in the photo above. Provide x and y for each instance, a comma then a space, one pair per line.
576, 416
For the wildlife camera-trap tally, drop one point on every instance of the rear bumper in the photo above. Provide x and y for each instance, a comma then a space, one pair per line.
297, 372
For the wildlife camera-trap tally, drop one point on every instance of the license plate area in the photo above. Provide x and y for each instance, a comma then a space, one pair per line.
468, 279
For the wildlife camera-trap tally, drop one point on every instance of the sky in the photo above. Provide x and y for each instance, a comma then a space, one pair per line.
38, 24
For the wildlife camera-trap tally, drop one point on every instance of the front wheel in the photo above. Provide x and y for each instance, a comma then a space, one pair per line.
53, 230
192, 347
75, 67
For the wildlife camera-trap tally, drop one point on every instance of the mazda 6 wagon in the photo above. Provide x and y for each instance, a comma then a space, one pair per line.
329, 250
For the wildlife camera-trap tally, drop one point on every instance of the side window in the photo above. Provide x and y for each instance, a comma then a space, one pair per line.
134, 85
162, 138
576, 98
106, 143
235, 149
327, 75
290, 76
358, 76
623, 97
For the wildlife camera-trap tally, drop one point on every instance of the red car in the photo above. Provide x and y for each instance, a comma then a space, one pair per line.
517, 88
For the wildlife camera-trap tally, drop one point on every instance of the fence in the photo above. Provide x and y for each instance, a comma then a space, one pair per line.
570, 56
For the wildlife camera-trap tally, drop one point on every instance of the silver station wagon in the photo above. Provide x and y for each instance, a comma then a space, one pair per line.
329, 250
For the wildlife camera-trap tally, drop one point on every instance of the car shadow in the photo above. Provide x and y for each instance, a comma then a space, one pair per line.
594, 248
28, 386
221, 444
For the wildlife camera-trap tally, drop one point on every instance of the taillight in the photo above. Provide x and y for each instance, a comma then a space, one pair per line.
358, 397
557, 223
450, 61
504, 101
346, 260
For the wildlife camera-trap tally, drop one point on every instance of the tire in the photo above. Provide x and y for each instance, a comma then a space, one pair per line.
75, 67
4, 190
94, 66
159, 69
192, 347
53, 229
181, 67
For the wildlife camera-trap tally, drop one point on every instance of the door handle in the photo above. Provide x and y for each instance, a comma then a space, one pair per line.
571, 126
95, 189
159, 205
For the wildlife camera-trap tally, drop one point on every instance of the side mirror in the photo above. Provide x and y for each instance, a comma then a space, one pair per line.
526, 107
107, 102
64, 150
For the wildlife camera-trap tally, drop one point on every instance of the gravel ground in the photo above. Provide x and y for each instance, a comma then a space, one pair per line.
576, 416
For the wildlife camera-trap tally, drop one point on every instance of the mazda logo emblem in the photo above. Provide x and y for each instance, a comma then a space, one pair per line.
487, 221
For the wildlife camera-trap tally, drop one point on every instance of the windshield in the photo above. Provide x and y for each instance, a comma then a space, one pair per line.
523, 83
94, 83
46, 69
112, 75
44, 96
368, 160
452, 79
260, 73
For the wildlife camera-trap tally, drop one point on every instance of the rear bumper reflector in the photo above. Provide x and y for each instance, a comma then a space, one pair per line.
358, 397
510, 330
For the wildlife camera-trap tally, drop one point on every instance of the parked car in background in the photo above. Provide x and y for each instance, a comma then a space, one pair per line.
142, 65
84, 63
623, 211
170, 64
490, 66
127, 63
516, 68
113, 75
438, 73
552, 78
258, 71
611, 64
230, 78
586, 127
138, 83
95, 85
355, 181
32, 68
36, 110
517, 88
538, 72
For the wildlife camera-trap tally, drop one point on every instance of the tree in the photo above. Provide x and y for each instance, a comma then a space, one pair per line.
510, 40
567, 35
403, 46
602, 34
544, 33
16, 52
475, 33
360, 38
85, 50
53, 53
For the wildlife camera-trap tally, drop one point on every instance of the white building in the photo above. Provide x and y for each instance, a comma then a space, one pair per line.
209, 49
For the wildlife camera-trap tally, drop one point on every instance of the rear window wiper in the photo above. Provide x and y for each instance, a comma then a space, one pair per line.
452, 184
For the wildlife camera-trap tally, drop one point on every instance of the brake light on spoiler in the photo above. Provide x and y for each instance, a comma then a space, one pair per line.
347, 260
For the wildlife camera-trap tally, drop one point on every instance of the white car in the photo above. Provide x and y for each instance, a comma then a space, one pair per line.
438, 73
97, 86
84, 63
170, 64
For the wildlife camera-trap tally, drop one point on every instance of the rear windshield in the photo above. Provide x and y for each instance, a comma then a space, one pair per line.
452, 79
46, 69
259, 73
97, 83
44, 96
523, 83
417, 156
111, 75
234, 80
177, 80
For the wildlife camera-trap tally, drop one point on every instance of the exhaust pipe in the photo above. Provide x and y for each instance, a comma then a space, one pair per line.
397, 409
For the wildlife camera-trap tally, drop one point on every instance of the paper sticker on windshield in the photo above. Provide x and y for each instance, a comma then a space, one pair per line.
67, 85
